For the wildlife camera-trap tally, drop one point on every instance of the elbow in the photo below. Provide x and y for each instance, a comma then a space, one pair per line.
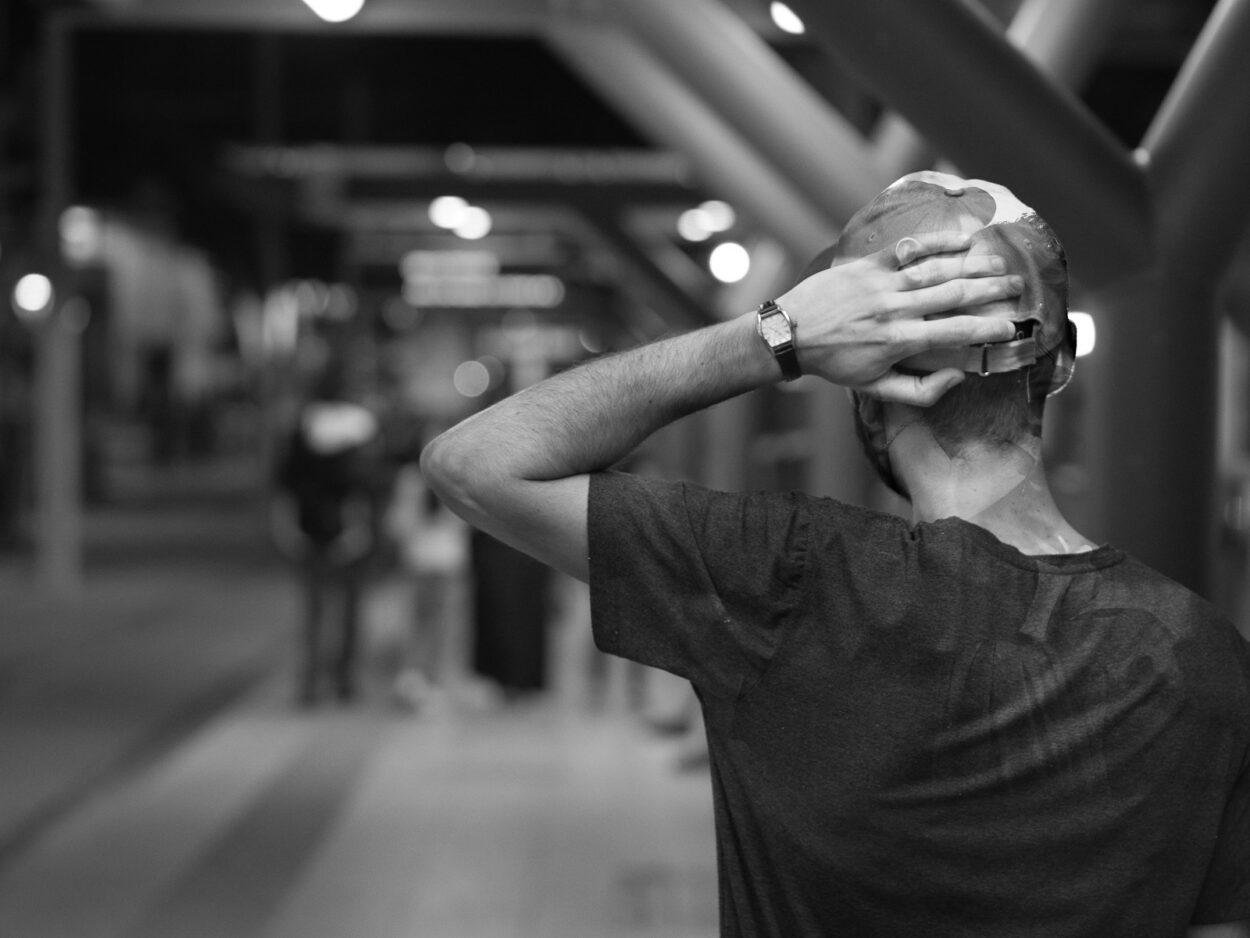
444, 469
456, 472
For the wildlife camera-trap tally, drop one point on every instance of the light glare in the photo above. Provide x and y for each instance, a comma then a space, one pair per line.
718, 215
471, 379
32, 294
1086, 333
81, 234
335, 11
475, 224
447, 211
729, 262
693, 225
786, 19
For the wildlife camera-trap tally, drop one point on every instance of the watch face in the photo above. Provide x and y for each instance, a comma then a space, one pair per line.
775, 330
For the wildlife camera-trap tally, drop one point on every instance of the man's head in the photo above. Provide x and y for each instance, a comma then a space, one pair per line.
1000, 401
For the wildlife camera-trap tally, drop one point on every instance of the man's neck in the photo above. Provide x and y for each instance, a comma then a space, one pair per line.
1003, 490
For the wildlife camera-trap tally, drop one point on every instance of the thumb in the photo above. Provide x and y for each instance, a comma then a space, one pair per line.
917, 390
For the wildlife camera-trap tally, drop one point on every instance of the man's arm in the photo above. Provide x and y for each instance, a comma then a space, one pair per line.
518, 470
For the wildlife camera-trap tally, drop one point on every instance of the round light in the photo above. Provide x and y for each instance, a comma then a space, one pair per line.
471, 379
475, 224
729, 262
718, 215
336, 11
447, 211
1086, 332
81, 234
460, 157
694, 225
32, 295
786, 19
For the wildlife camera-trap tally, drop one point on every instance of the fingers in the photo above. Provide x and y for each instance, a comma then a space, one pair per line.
907, 250
914, 336
917, 390
932, 271
958, 293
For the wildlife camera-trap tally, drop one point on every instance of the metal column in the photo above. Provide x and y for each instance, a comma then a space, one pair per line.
1159, 466
57, 380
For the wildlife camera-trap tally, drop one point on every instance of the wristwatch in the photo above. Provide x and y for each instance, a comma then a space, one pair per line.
776, 328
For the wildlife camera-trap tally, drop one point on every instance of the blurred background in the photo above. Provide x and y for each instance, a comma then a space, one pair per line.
253, 679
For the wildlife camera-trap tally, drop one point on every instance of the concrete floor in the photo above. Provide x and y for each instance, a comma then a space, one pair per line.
156, 780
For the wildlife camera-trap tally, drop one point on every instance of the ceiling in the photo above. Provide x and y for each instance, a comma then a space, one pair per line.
251, 125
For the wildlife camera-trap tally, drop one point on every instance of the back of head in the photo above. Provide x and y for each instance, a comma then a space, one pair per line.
1001, 399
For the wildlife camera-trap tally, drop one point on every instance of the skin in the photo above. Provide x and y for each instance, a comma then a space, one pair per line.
1003, 490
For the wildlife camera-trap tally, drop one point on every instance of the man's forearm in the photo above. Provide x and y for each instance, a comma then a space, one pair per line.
593, 415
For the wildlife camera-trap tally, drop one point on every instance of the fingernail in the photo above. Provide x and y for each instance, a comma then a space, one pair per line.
998, 265
1017, 282
906, 250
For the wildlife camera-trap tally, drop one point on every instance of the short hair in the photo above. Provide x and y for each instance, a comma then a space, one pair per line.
991, 410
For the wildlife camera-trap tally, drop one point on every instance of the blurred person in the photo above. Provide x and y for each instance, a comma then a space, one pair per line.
325, 519
974, 721
433, 546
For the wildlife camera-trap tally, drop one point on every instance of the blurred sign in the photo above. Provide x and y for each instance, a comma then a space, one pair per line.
473, 279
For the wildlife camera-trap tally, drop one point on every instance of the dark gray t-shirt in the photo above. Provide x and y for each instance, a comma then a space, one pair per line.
923, 731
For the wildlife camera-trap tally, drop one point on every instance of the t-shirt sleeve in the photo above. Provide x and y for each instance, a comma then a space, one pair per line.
1226, 892
696, 582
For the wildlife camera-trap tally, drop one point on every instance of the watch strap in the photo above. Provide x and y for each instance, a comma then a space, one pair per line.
783, 352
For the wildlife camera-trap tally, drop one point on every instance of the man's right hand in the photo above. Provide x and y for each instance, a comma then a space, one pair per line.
856, 321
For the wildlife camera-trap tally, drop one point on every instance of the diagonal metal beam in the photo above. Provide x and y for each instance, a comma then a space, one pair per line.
761, 97
664, 109
1064, 38
1199, 146
679, 308
985, 106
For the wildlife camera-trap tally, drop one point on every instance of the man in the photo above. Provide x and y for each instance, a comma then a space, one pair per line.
975, 723
324, 518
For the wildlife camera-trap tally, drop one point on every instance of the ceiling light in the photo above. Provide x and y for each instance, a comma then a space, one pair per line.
719, 215
786, 19
729, 262
335, 11
32, 295
694, 225
476, 223
447, 211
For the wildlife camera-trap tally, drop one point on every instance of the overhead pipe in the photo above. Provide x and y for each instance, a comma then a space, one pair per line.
679, 308
1064, 38
757, 93
664, 109
946, 66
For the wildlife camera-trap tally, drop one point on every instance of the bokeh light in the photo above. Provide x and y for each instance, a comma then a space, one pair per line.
475, 224
1086, 332
32, 296
786, 19
729, 262
471, 379
447, 211
335, 11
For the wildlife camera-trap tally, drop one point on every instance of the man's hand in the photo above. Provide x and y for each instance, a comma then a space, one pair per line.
856, 321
